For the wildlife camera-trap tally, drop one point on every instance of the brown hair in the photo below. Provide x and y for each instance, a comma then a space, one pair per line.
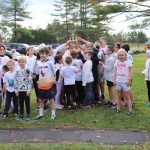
68, 60
111, 48
104, 38
89, 52
44, 50
74, 54
11, 61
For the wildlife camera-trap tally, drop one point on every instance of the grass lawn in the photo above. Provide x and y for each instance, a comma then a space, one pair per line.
137, 47
72, 146
100, 117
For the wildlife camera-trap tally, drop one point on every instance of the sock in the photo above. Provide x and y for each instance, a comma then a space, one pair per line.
41, 111
53, 112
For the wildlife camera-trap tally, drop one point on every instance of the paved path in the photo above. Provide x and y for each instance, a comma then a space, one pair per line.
58, 135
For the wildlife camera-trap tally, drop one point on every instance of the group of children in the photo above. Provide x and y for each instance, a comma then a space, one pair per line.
72, 77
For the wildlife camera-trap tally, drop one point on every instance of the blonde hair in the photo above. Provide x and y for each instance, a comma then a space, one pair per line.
122, 51
11, 61
21, 58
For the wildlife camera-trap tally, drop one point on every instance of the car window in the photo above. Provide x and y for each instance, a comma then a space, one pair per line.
21, 46
14, 46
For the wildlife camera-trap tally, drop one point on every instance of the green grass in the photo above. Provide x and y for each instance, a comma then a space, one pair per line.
72, 146
139, 47
100, 117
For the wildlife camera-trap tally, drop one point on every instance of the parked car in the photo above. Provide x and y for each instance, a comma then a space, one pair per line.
20, 47
54, 45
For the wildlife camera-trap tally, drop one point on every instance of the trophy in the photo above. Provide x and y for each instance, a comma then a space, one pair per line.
74, 42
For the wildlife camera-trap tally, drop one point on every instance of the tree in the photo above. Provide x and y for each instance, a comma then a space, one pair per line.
14, 12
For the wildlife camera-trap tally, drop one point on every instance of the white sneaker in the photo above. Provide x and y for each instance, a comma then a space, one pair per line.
53, 117
59, 106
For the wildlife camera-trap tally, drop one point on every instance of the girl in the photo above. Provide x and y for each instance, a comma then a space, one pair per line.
146, 72
59, 81
122, 79
8, 81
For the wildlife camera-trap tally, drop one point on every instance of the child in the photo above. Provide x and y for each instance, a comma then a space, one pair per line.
109, 74
122, 79
78, 78
23, 86
59, 81
126, 47
88, 79
146, 72
68, 73
31, 64
0, 90
8, 81
45, 71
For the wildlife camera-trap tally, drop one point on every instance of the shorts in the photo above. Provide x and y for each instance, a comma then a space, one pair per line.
46, 94
110, 84
123, 87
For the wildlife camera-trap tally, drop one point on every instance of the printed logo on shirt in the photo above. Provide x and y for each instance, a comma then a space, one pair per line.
11, 82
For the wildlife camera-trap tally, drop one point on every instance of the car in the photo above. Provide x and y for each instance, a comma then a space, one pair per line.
20, 47
54, 45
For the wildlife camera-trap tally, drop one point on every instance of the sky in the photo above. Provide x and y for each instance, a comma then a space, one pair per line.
41, 10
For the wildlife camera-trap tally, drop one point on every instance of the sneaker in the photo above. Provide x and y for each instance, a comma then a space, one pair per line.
129, 113
28, 117
15, 115
59, 106
133, 105
118, 110
112, 105
108, 103
21, 117
39, 117
5, 116
53, 117
148, 104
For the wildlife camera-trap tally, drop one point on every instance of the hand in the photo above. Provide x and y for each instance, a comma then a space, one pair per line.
142, 73
68, 42
28, 94
114, 83
33, 77
100, 62
128, 83
17, 94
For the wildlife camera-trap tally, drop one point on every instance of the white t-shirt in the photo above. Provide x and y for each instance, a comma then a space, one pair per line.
45, 69
68, 73
122, 71
9, 80
103, 49
4, 60
76, 63
31, 61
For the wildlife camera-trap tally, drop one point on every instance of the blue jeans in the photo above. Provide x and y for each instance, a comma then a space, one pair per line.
89, 94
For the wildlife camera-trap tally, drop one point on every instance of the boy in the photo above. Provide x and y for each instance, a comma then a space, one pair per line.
8, 81
109, 74
78, 78
23, 86
45, 70
68, 73
87, 79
